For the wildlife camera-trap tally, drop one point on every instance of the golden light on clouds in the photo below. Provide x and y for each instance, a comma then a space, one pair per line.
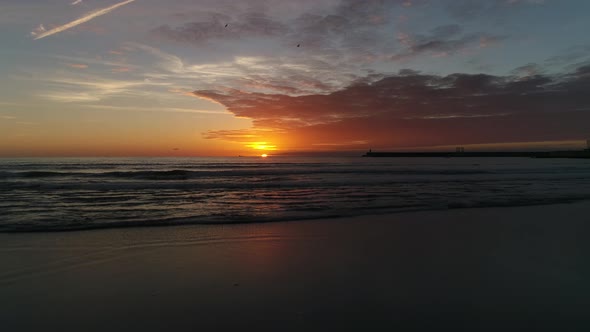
262, 146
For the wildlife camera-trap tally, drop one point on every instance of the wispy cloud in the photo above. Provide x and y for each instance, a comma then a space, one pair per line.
80, 20
77, 2
121, 70
38, 30
159, 109
292, 75
93, 61
442, 41
91, 88
3, 103
77, 65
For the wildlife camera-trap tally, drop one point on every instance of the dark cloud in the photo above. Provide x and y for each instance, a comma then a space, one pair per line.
479, 65
442, 41
358, 33
414, 109
571, 55
446, 31
467, 9
473, 10
351, 23
530, 69
214, 27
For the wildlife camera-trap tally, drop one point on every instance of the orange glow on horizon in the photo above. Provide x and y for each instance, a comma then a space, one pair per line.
262, 146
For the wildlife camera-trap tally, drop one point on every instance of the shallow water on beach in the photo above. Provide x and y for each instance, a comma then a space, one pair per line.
84, 193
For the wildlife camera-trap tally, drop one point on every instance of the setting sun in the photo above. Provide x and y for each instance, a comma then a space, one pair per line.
292, 163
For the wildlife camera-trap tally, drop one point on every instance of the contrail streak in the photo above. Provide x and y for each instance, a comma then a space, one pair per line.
76, 2
81, 20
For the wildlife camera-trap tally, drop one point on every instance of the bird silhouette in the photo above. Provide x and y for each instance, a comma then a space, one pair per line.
298, 45
226, 25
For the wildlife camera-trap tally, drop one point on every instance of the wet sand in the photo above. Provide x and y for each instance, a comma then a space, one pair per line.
493, 269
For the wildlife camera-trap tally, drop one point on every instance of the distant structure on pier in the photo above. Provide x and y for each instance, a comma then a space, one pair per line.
460, 153
588, 145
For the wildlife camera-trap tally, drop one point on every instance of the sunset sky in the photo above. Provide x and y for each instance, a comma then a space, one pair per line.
221, 77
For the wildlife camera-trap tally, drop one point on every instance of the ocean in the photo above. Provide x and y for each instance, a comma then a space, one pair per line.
87, 193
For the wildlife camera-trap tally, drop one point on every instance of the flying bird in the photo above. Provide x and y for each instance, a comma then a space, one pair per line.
298, 45
81, 20
226, 25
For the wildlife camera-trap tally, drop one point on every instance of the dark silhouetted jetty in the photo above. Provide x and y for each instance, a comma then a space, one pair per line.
461, 154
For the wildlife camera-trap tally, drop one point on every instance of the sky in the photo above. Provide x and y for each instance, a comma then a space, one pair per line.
220, 77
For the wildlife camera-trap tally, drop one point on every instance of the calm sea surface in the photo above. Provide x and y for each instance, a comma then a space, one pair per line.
59, 194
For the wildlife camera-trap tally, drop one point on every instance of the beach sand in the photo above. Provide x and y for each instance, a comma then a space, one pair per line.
492, 269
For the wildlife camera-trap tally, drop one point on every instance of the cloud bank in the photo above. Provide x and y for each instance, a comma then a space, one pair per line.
412, 109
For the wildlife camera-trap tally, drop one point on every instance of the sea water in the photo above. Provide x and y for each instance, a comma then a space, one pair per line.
84, 193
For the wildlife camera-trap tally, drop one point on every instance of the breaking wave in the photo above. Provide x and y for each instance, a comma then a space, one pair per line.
63, 194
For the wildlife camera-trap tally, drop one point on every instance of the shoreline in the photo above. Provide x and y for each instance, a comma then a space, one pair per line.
485, 269
167, 223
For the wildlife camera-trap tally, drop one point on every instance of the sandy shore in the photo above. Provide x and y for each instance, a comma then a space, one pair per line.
516, 269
